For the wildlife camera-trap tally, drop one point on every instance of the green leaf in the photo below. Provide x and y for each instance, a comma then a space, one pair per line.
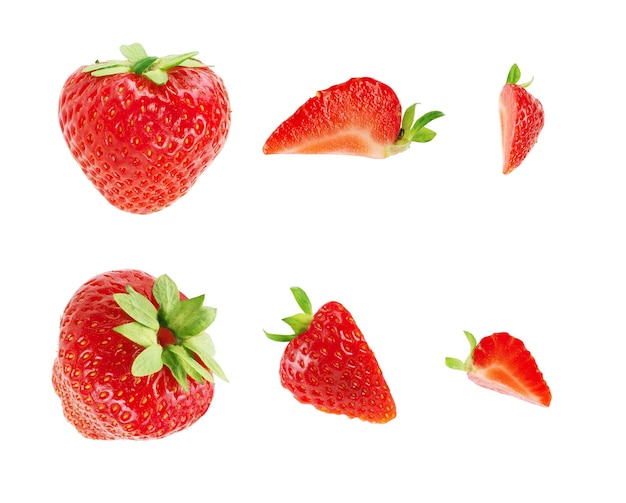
202, 342
424, 135
299, 323
133, 52
173, 60
455, 364
148, 362
191, 317
115, 70
141, 66
471, 339
514, 75
280, 337
409, 115
302, 299
157, 76
138, 307
193, 63
196, 371
176, 367
117, 65
166, 294
138, 333
202, 346
423, 120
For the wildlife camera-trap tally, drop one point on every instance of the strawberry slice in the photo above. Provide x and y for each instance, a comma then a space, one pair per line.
521, 120
359, 117
501, 363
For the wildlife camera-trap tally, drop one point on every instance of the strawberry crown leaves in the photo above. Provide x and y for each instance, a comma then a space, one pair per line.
138, 62
514, 75
192, 354
413, 131
466, 366
298, 322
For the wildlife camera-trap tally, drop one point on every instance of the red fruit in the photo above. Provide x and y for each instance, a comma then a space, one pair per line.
521, 120
501, 363
329, 365
359, 117
134, 365
145, 129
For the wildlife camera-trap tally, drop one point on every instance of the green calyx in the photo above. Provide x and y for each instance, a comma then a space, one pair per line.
466, 366
138, 62
514, 75
413, 131
299, 322
183, 322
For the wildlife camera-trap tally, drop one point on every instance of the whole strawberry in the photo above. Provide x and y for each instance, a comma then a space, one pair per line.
362, 116
329, 365
143, 130
134, 360
501, 362
521, 120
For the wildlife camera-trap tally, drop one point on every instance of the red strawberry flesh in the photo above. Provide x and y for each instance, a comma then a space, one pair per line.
359, 117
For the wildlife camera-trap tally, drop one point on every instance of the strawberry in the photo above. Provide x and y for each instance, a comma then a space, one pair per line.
501, 363
329, 365
521, 120
359, 117
144, 130
134, 360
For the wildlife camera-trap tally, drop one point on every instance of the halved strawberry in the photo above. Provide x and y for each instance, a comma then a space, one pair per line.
359, 117
329, 365
521, 120
501, 363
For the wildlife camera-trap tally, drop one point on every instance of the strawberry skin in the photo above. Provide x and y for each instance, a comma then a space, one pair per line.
329, 365
521, 120
501, 362
360, 117
94, 375
143, 144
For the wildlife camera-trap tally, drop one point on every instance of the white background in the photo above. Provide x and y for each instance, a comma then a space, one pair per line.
419, 247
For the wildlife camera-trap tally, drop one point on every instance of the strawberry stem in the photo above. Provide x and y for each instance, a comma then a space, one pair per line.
138, 62
298, 322
413, 131
466, 366
172, 335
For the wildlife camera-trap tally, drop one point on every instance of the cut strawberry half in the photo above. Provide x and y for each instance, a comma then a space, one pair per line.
501, 363
521, 120
360, 117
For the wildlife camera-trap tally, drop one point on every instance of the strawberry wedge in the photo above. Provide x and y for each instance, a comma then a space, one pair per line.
361, 117
521, 121
501, 363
